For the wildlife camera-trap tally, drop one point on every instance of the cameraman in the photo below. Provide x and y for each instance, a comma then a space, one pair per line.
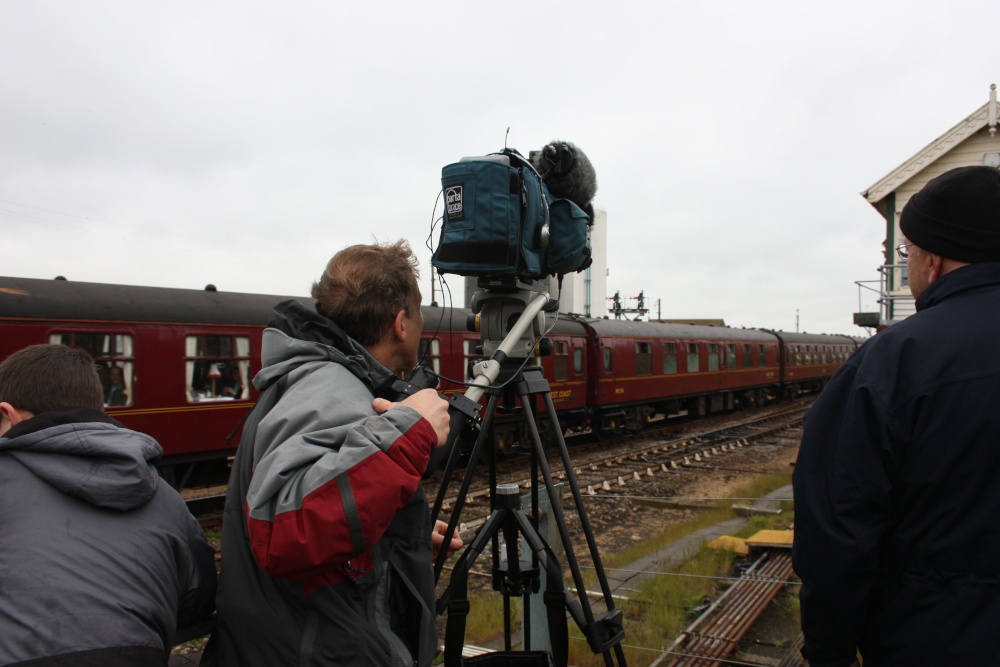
327, 536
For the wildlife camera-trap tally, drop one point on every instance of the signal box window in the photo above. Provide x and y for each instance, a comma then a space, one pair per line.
217, 368
731, 356
692, 365
113, 361
669, 358
643, 359
577, 360
713, 357
607, 360
561, 360
429, 354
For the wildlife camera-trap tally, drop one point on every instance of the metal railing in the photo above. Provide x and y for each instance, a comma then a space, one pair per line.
890, 305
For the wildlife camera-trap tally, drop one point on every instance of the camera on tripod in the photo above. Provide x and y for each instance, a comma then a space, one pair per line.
512, 222
503, 223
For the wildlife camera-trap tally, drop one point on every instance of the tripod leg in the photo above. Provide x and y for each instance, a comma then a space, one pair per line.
605, 632
456, 511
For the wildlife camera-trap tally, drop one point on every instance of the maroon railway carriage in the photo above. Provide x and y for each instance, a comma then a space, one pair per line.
185, 357
810, 360
643, 369
177, 363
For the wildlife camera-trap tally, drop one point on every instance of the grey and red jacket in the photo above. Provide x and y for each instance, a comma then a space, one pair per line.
326, 536
100, 560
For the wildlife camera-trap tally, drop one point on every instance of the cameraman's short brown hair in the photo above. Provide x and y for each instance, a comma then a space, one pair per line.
41, 378
364, 286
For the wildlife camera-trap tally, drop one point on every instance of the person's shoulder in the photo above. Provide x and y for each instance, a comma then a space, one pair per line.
324, 394
324, 373
168, 508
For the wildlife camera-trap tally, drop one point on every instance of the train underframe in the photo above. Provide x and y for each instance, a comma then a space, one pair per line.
510, 433
633, 418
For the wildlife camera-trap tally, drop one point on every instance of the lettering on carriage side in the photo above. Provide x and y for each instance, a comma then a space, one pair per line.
562, 396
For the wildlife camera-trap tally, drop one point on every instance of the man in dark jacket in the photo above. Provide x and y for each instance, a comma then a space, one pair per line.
897, 485
326, 538
100, 560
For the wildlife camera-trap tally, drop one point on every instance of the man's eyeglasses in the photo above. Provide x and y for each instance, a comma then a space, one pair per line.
902, 250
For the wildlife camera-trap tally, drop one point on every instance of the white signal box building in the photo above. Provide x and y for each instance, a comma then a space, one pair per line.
973, 141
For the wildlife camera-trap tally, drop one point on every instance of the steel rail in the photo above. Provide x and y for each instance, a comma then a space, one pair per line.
716, 634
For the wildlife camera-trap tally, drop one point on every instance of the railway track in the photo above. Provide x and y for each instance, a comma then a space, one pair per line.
602, 472
206, 504
716, 634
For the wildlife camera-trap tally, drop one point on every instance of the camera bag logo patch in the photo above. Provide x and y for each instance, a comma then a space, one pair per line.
453, 199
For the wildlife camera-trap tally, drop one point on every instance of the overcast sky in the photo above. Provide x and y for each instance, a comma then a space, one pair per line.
243, 143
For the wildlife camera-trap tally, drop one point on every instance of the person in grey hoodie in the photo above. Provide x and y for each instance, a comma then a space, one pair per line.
100, 560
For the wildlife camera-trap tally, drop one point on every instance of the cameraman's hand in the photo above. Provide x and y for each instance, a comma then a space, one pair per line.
437, 539
429, 405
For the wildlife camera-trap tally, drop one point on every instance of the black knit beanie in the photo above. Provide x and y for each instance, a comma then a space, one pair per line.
957, 215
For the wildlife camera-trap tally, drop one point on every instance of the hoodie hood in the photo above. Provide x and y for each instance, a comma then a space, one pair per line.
297, 335
87, 455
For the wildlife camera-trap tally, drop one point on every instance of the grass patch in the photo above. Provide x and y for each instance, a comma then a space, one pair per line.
662, 608
711, 515
486, 618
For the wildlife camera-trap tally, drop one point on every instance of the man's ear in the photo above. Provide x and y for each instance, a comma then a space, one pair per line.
11, 416
399, 325
14, 415
937, 267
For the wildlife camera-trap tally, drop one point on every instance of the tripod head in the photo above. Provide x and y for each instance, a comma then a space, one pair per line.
499, 304
510, 319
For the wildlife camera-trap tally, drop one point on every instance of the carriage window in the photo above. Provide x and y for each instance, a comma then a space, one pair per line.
798, 355
577, 360
471, 356
429, 354
669, 358
643, 358
761, 355
113, 361
692, 365
217, 367
561, 359
607, 360
747, 355
731, 356
713, 357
